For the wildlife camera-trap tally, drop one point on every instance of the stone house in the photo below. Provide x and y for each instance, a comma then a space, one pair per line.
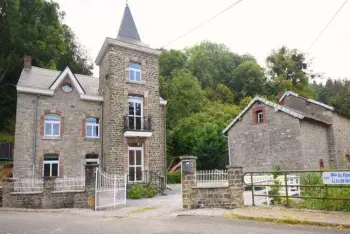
65, 120
297, 133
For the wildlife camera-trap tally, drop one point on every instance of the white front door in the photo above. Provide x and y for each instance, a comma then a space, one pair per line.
135, 164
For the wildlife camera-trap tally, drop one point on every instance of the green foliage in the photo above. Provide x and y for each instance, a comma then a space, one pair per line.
174, 177
170, 61
138, 191
33, 28
4, 138
323, 204
6, 163
135, 191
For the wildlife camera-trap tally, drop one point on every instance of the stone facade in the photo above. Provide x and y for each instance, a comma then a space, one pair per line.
290, 141
50, 199
71, 145
227, 197
115, 89
262, 146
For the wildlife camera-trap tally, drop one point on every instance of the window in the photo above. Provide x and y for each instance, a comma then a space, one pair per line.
260, 117
92, 127
52, 125
67, 88
135, 163
135, 113
50, 165
92, 158
134, 72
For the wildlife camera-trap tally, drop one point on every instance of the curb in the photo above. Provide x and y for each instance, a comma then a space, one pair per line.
289, 220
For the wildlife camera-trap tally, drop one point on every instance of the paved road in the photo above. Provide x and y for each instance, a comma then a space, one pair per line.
37, 223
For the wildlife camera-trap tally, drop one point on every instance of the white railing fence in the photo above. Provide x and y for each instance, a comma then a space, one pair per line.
211, 178
28, 185
69, 184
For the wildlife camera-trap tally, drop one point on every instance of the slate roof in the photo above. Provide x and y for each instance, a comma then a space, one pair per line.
128, 30
37, 77
290, 93
287, 110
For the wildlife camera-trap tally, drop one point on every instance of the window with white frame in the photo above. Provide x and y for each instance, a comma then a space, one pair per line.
91, 159
260, 117
52, 124
135, 72
92, 127
50, 165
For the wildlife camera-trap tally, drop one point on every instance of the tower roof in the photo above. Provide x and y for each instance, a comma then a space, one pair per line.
128, 30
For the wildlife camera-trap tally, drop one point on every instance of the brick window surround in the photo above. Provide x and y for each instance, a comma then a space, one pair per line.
255, 111
40, 163
42, 121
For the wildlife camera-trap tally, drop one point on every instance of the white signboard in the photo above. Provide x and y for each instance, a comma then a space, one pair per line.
336, 177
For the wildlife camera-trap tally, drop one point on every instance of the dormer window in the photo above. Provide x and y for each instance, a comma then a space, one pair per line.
260, 117
135, 72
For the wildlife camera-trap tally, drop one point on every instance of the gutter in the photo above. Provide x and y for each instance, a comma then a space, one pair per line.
165, 156
101, 135
35, 133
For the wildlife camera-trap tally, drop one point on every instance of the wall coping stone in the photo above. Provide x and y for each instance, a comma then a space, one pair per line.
234, 167
69, 191
37, 192
211, 187
188, 157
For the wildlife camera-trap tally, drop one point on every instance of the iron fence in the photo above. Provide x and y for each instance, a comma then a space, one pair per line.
211, 178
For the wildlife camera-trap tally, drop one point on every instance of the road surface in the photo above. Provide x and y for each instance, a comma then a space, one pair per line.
53, 223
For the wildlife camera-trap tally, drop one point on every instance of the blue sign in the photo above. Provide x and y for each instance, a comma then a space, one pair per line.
340, 177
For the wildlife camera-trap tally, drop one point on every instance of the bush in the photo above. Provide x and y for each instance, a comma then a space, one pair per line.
137, 191
6, 164
174, 177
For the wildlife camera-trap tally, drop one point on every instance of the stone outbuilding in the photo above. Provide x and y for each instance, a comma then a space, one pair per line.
297, 133
66, 120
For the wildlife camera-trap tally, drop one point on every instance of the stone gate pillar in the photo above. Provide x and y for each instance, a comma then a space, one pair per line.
188, 181
90, 184
235, 184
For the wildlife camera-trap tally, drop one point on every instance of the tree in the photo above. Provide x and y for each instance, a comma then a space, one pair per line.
211, 63
171, 60
221, 93
248, 79
35, 28
185, 97
200, 134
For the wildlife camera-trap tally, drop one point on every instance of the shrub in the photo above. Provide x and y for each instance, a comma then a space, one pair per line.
323, 204
6, 164
174, 177
138, 191
135, 191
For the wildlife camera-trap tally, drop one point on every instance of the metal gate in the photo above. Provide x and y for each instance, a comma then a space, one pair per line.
110, 190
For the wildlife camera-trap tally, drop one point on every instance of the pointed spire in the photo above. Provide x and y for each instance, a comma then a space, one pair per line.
128, 31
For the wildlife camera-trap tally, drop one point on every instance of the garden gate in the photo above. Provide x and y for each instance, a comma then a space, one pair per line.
110, 190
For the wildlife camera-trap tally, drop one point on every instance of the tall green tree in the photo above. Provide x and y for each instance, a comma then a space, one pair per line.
248, 79
35, 28
171, 60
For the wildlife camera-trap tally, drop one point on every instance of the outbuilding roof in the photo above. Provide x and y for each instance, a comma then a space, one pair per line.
277, 107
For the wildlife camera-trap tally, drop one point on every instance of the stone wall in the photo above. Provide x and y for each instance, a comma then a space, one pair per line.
50, 199
314, 144
115, 87
259, 147
71, 146
227, 197
341, 130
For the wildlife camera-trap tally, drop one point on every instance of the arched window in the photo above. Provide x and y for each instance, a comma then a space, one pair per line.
92, 127
134, 72
92, 158
52, 125
51, 165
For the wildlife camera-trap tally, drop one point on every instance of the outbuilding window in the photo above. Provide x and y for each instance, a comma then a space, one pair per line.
260, 117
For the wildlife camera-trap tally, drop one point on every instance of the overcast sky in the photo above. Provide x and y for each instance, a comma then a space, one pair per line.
253, 26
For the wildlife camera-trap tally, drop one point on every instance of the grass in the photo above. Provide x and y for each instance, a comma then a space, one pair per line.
142, 210
287, 220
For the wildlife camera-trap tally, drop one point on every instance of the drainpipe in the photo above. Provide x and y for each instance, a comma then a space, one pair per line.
101, 135
35, 133
229, 150
165, 158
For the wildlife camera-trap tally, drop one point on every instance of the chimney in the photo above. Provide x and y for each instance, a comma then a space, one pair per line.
27, 62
